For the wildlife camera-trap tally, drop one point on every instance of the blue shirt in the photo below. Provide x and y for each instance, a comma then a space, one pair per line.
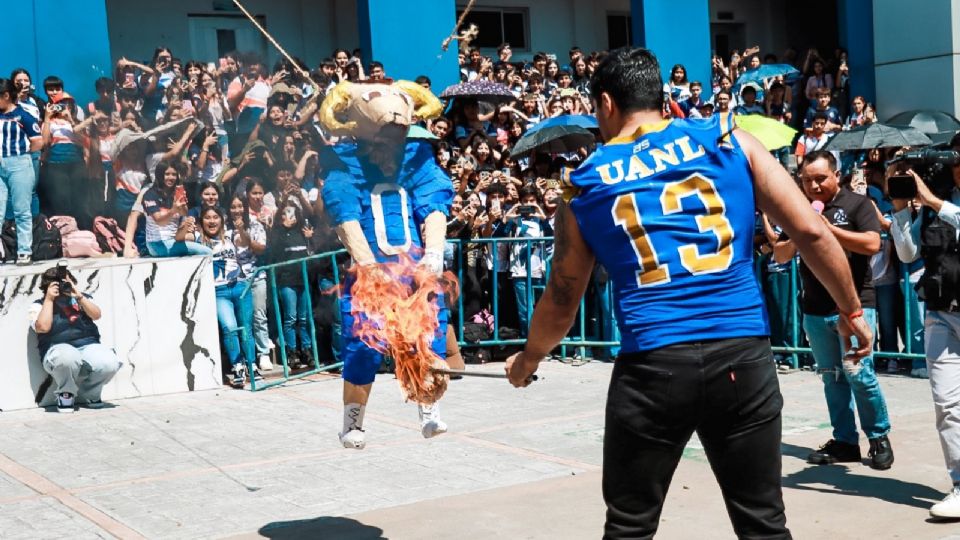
669, 212
390, 210
17, 127
833, 116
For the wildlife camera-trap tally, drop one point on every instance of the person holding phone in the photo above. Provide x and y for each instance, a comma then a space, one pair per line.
165, 207
527, 259
932, 232
289, 239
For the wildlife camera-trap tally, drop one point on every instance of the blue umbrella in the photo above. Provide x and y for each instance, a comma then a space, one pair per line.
579, 120
764, 72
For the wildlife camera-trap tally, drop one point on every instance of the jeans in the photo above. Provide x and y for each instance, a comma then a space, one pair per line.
81, 371
776, 292
889, 316
261, 332
724, 390
17, 179
843, 390
234, 311
63, 191
296, 313
172, 248
525, 300
34, 201
943, 368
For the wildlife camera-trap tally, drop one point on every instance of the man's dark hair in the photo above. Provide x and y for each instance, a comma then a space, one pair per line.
632, 79
328, 63
53, 82
496, 188
820, 154
748, 89
375, 64
564, 73
423, 79
502, 47
54, 275
529, 190
535, 78
726, 93
103, 84
820, 116
696, 83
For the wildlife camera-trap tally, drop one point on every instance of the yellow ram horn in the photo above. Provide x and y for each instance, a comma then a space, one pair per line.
428, 106
337, 101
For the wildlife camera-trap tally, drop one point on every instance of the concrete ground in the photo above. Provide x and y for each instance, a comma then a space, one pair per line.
516, 464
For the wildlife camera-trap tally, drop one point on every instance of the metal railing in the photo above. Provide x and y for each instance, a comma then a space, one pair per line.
580, 340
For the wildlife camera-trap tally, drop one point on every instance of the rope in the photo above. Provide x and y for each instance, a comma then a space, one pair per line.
294, 63
453, 35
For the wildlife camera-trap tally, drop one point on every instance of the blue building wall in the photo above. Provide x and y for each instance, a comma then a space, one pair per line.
676, 36
407, 41
855, 22
66, 38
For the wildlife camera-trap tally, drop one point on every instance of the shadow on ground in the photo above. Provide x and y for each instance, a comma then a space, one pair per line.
841, 480
321, 528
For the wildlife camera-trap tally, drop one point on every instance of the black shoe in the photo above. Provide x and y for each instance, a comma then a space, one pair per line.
835, 452
293, 359
238, 376
306, 357
881, 453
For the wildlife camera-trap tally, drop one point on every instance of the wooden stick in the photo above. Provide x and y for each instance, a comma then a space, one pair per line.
296, 65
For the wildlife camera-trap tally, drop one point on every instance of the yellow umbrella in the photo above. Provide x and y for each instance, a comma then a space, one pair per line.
771, 133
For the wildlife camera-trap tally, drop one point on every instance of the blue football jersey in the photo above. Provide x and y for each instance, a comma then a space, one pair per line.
669, 213
389, 210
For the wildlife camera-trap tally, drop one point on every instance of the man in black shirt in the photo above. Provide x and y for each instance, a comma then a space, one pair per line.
69, 341
853, 221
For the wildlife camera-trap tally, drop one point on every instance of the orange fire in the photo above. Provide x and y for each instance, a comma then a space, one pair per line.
395, 314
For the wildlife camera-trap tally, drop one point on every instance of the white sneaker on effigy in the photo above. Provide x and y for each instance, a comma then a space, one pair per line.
355, 438
430, 423
949, 507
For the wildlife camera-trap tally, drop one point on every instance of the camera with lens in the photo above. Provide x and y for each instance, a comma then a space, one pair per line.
66, 287
934, 167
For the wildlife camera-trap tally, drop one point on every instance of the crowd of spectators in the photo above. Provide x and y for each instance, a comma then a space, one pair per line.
241, 183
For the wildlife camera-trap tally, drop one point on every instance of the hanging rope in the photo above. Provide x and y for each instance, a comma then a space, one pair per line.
453, 35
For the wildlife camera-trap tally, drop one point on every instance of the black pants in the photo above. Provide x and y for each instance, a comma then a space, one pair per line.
727, 391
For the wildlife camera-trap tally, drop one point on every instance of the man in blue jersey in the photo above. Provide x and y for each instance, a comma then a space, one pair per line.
668, 209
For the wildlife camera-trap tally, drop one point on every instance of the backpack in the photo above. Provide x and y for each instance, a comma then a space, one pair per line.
47, 242
66, 224
109, 235
81, 244
8, 242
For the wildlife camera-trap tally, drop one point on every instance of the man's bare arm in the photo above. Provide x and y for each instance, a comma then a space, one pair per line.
569, 276
779, 197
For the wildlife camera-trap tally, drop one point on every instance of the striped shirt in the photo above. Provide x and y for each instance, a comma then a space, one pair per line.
17, 128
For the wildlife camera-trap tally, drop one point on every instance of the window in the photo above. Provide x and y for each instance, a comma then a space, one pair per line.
619, 30
497, 26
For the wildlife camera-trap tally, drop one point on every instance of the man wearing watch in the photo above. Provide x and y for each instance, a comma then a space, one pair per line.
69, 341
852, 219
933, 233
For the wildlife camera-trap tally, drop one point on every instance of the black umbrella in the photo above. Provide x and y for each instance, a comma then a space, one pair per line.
938, 125
554, 140
877, 135
483, 90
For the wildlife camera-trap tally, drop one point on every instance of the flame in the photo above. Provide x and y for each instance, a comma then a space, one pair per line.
395, 313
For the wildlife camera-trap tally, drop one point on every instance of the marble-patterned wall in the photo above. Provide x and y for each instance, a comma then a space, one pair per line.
159, 315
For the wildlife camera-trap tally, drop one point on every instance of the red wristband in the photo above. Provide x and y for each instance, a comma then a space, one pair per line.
850, 316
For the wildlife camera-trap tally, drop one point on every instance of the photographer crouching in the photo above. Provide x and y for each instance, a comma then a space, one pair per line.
69, 341
931, 229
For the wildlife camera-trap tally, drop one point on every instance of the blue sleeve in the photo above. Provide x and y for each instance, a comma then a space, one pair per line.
429, 186
808, 119
30, 125
151, 202
341, 197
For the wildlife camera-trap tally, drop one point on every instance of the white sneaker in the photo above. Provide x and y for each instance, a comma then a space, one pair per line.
430, 423
265, 363
919, 373
355, 438
949, 507
66, 402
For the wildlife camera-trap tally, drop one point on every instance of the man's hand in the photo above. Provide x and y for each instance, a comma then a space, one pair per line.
856, 327
520, 367
926, 197
53, 291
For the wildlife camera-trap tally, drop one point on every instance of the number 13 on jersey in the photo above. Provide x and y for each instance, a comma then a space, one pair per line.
626, 215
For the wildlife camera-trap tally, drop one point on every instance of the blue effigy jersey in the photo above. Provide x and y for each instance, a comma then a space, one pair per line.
669, 213
390, 210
